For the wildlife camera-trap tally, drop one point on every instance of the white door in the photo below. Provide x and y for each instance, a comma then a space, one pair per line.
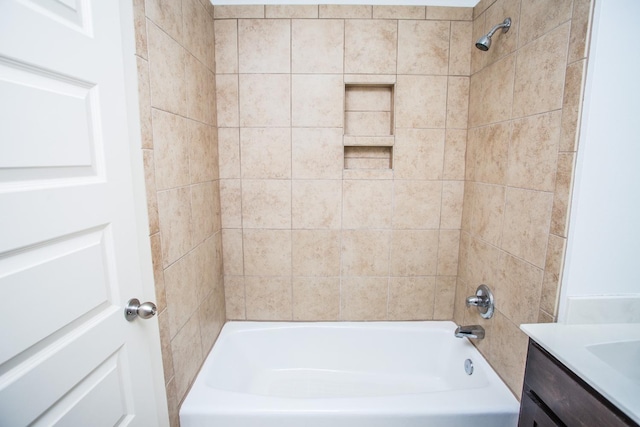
71, 252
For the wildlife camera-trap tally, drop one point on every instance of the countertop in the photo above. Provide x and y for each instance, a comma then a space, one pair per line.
571, 344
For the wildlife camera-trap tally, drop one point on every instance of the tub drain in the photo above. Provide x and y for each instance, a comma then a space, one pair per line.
468, 366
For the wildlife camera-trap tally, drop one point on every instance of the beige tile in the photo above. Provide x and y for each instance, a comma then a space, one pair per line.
450, 13
421, 102
207, 273
229, 152
158, 272
180, 287
267, 252
150, 186
242, 11
468, 205
268, 298
166, 72
171, 150
483, 264
265, 100
266, 203
345, 11
227, 100
197, 78
458, 304
317, 100
198, 32
478, 58
423, 47
411, 298
368, 123
490, 98
317, 46
541, 16
167, 15
316, 298
416, 204
173, 403
526, 224
365, 252
212, 317
175, 223
444, 298
370, 46
203, 152
140, 27
488, 153
364, 298
481, 7
414, 252
418, 154
233, 252
165, 343
455, 149
578, 41
187, 355
367, 204
540, 71
460, 48
572, 105
510, 352
368, 98
226, 45
202, 211
562, 195
291, 11
552, 274
144, 99
533, 152
452, 203
317, 153
399, 12
457, 103
234, 297
264, 45
488, 213
316, 253
316, 204
448, 249
265, 153
231, 203
544, 317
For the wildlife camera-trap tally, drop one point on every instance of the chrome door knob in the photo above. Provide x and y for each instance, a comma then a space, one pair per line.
134, 309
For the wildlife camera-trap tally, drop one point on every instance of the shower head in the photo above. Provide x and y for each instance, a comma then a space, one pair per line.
484, 42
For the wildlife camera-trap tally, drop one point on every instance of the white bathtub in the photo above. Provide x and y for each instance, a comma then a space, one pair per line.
346, 374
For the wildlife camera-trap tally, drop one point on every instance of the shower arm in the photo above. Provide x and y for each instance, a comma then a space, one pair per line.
504, 25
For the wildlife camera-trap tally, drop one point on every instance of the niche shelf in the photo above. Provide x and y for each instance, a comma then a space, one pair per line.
368, 128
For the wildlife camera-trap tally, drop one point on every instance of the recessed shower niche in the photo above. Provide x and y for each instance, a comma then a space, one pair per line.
368, 126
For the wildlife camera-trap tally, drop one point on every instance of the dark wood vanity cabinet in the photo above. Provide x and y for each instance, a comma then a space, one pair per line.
554, 396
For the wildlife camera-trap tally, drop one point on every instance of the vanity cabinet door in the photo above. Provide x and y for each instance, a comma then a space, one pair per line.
534, 414
555, 396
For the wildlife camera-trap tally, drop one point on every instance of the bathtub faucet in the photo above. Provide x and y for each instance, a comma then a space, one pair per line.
470, 331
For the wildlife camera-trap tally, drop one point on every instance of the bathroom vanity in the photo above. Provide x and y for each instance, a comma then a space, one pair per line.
580, 375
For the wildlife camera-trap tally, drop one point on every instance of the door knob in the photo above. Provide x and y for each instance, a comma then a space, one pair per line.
134, 309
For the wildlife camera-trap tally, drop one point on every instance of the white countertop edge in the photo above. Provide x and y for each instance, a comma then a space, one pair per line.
568, 343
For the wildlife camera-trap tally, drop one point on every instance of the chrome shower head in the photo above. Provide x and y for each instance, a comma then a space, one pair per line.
484, 42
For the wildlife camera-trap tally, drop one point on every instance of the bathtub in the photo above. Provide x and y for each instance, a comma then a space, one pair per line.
369, 374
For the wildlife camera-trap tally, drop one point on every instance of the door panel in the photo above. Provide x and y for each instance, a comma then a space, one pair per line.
70, 252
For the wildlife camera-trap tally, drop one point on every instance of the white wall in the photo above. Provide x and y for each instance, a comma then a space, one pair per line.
603, 254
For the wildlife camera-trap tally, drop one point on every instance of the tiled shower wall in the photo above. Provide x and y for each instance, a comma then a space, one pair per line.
174, 48
304, 238
525, 98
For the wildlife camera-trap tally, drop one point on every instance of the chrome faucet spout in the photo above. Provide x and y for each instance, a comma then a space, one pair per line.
470, 331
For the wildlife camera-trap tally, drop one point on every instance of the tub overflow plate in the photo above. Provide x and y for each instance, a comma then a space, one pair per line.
468, 366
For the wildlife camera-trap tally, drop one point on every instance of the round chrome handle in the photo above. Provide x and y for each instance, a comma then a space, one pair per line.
134, 309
